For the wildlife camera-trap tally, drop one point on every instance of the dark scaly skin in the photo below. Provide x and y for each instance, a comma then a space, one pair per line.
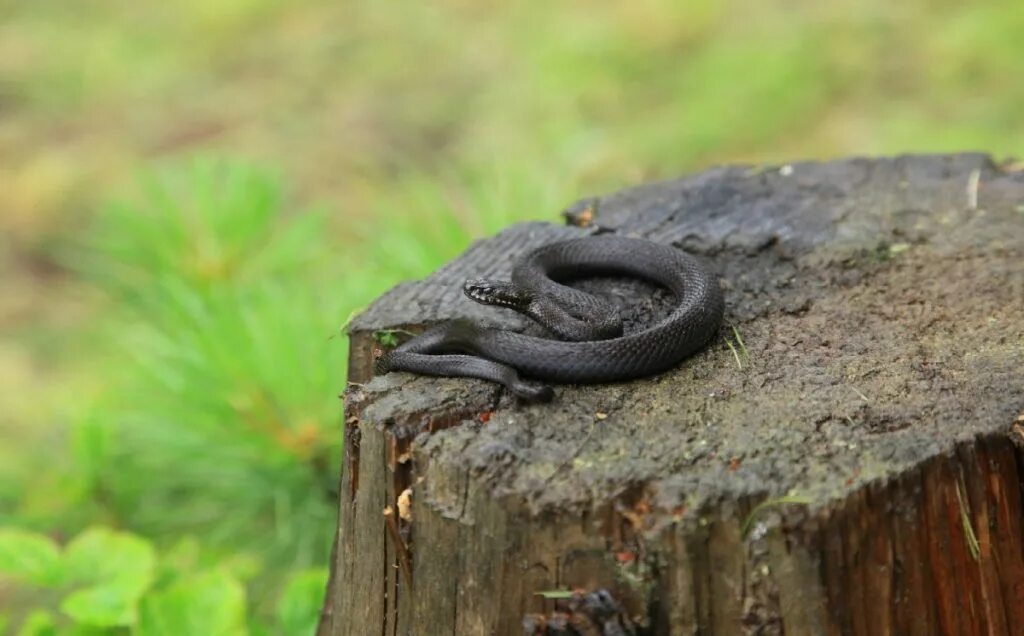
593, 349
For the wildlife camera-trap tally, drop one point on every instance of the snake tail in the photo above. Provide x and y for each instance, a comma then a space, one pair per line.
431, 353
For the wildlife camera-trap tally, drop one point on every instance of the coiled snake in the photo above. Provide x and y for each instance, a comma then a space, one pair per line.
591, 345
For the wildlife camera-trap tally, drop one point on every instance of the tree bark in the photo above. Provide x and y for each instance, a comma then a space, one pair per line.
843, 459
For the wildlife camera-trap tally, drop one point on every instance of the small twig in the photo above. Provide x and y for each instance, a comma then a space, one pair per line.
404, 558
972, 189
862, 396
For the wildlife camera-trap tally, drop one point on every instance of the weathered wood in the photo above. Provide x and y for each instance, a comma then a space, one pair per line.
874, 399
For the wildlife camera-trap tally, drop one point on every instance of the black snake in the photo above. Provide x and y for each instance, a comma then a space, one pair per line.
591, 345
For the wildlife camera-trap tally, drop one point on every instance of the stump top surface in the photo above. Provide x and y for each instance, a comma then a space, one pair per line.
880, 304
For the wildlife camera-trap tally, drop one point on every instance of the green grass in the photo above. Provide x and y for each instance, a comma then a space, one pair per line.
748, 523
169, 320
965, 520
741, 353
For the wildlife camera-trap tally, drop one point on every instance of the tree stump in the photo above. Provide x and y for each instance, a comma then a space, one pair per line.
844, 458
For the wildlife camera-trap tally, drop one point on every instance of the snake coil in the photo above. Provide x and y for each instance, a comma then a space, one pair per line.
590, 344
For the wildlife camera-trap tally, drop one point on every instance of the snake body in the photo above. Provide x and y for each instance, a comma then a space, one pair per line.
589, 346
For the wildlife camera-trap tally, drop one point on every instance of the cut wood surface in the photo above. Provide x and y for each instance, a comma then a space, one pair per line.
844, 458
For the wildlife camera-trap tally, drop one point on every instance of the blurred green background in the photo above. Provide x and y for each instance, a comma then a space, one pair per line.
196, 194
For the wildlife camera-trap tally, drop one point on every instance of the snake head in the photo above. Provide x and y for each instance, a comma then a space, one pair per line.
500, 293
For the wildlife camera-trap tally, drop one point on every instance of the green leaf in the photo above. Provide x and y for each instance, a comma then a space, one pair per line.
298, 610
389, 337
101, 555
103, 605
29, 557
209, 603
38, 623
120, 565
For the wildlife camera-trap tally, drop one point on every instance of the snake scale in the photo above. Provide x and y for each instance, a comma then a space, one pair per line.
589, 344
